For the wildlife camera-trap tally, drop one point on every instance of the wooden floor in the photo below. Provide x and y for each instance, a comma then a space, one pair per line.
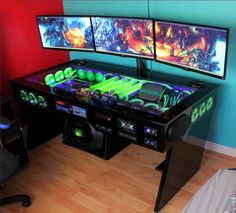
63, 179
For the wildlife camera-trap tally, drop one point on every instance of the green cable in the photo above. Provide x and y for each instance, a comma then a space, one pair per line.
137, 100
152, 105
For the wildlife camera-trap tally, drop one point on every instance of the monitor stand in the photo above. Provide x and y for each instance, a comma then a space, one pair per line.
141, 68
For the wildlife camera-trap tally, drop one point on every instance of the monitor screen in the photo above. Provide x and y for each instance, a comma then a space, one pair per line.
198, 48
124, 36
66, 32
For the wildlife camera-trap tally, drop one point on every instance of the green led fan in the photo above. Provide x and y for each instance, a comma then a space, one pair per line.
42, 102
195, 115
32, 99
68, 72
202, 109
79, 132
209, 103
90, 75
49, 79
100, 77
59, 76
81, 74
24, 95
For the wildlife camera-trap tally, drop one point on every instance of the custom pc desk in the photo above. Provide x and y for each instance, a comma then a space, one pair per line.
101, 110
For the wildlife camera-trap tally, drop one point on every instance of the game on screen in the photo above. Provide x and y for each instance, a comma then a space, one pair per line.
194, 47
66, 32
124, 36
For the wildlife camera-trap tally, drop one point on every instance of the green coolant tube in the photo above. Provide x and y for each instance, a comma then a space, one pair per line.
125, 86
99, 85
113, 85
163, 84
133, 88
125, 93
137, 100
187, 92
152, 105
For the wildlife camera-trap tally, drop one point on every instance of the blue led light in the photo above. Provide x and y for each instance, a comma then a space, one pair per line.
150, 131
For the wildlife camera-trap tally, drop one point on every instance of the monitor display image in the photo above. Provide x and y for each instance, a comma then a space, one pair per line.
197, 48
66, 32
124, 36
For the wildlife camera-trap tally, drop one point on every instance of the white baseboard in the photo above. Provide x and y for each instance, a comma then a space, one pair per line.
220, 148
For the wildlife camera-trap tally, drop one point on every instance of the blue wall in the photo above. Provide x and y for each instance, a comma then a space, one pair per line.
216, 13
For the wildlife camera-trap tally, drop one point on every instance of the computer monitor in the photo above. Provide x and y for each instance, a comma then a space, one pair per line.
124, 36
66, 32
193, 47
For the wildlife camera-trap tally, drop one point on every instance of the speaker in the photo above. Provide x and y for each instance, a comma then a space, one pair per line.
178, 128
82, 135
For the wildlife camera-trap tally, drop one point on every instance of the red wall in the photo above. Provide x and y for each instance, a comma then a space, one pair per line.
21, 51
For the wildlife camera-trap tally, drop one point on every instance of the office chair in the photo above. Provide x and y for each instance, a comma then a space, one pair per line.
8, 166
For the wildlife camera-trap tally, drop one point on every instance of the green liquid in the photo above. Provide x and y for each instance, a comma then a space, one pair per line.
99, 85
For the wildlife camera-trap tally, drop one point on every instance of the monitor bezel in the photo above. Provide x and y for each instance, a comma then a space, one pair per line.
127, 55
67, 49
189, 68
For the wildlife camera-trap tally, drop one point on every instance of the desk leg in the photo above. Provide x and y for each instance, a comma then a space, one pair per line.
181, 163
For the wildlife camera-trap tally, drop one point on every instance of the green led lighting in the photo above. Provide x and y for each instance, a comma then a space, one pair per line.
166, 85
209, 103
100, 77
134, 100
99, 85
49, 79
42, 102
59, 75
187, 92
81, 74
128, 84
124, 95
68, 72
133, 88
202, 109
112, 86
78, 132
163, 109
194, 116
24, 95
32, 99
151, 105
90, 75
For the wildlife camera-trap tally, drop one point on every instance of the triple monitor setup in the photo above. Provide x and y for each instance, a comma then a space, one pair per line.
106, 108
193, 47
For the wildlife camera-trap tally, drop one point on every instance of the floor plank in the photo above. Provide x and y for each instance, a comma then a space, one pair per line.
63, 179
